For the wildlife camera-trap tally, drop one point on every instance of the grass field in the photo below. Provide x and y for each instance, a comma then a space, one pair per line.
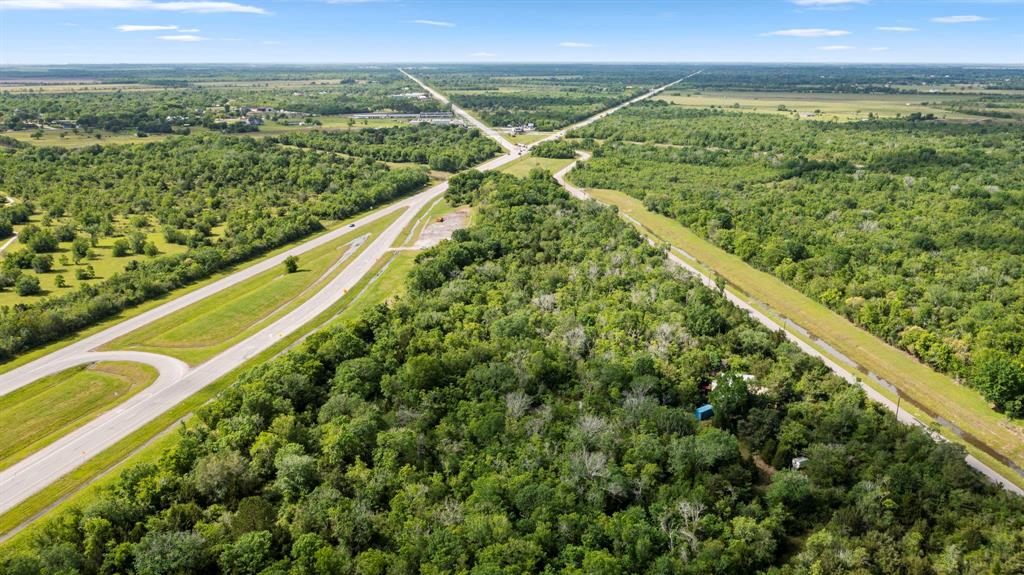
841, 107
205, 328
69, 139
103, 263
389, 284
76, 87
522, 166
40, 413
78, 488
961, 406
527, 138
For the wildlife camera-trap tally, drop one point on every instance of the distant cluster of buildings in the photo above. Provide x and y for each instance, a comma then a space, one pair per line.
522, 129
411, 96
436, 118
254, 115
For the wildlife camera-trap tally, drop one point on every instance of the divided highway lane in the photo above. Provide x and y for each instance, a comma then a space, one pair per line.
611, 111
42, 468
35, 472
33, 370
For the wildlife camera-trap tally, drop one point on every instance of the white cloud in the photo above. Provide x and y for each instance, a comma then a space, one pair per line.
958, 19
808, 33
142, 28
836, 47
188, 30
895, 29
182, 38
200, 6
483, 54
575, 45
435, 23
827, 2
880, 49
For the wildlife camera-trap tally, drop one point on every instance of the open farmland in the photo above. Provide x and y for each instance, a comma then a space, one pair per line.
449, 369
824, 107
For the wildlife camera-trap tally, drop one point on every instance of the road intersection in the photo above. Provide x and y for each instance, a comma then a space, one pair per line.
177, 381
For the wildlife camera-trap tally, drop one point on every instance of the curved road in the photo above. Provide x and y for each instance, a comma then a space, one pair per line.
45, 466
14, 236
38, 470
168, 367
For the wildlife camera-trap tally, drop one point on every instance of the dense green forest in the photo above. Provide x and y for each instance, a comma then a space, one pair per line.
912, 229
164, 108
447, 148
261, 194
528, 407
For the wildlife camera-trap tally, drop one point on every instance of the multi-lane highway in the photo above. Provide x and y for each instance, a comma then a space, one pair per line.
491, 132
176, 381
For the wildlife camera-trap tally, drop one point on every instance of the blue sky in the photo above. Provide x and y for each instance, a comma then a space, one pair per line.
335, 31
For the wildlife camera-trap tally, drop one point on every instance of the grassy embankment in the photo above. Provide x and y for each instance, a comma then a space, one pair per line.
39, 413
938, 393
522, 166
527, 138
42, 351
198, 332
384, 281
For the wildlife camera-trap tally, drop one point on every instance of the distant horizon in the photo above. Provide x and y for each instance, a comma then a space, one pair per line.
399, 63
81, 32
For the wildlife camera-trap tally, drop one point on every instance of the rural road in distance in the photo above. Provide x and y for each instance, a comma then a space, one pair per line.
45, 466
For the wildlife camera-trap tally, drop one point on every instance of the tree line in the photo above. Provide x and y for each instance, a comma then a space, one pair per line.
528, 407
262, 195
172, 108
447, 148
911, 229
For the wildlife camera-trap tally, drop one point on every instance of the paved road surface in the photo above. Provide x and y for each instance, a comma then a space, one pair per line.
611, 111
466, 115
10, 241
45, 466
7, 244
837, 368
29, 372
35, 472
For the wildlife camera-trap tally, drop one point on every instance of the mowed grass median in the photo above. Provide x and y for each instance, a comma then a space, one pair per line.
198, 332
43, 411
938, 393
80, 487
522, 167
